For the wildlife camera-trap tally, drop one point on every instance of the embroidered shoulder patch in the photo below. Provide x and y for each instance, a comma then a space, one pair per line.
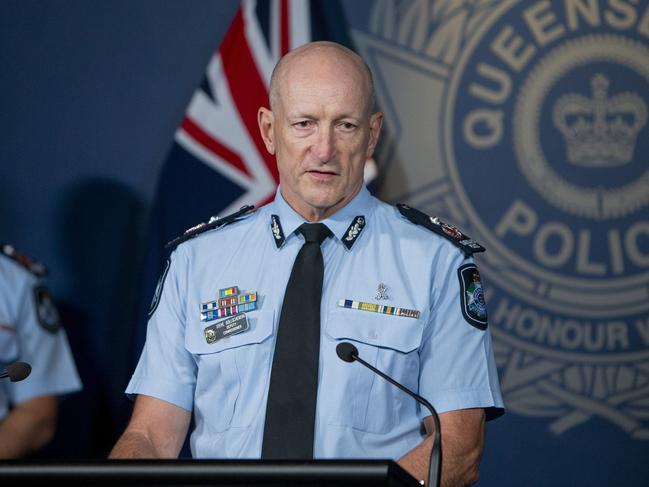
214, 222
46, 312
158, 289
472, 302
28, 263
450, 232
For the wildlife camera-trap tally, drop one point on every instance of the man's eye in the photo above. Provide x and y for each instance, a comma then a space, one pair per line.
302, 124
347, 126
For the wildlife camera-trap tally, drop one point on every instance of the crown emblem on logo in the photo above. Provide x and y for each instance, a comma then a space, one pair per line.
600, 131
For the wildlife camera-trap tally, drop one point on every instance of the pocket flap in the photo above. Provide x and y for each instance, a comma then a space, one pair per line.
260, 327
395, 332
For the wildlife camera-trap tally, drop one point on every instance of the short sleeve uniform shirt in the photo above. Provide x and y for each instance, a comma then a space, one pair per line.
375, 256
30, 332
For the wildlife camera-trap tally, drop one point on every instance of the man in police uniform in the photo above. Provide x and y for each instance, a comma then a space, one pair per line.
30, 332
406, 296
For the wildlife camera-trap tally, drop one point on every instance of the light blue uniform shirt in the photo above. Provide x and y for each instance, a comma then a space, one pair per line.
24, 339
358, 415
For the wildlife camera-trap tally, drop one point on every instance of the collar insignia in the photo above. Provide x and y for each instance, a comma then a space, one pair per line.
278, 233
354, 230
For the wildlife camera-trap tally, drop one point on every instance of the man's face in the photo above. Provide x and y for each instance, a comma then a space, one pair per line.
321, 133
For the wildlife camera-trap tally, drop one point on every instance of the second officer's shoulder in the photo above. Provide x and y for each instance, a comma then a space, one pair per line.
215, 223
19, 272
12, 256
440, 228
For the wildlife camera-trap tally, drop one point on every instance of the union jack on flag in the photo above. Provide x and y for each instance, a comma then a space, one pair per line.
220, 125
218, 162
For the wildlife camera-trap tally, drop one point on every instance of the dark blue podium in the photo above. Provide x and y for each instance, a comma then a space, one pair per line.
328, 473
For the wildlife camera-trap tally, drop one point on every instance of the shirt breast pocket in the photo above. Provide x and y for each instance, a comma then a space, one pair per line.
368, 402
232, 373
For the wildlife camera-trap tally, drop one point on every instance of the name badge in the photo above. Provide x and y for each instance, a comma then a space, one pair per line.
223, 329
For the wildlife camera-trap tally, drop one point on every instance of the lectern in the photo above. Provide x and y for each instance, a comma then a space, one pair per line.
327, 473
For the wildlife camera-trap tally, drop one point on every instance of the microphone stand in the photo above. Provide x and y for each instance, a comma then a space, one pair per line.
435, 463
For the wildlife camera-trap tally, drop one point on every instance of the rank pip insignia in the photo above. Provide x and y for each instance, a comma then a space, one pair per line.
230, 302
448, 229
472, 302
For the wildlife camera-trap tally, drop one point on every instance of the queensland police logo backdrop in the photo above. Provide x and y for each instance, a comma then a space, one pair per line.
525, 123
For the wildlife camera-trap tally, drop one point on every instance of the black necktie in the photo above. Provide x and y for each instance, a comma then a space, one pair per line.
290, 412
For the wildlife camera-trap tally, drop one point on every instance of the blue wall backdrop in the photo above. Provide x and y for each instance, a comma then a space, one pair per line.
92, 93
523, 122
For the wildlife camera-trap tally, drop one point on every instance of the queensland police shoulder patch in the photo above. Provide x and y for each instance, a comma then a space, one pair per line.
158, 289
472, 302
450, 232
46, 312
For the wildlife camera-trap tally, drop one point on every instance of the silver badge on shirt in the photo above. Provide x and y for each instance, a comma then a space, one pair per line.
381, 292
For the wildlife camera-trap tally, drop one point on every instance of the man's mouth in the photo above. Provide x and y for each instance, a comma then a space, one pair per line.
321, 175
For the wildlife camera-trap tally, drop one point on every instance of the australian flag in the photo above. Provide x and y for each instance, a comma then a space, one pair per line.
218, 161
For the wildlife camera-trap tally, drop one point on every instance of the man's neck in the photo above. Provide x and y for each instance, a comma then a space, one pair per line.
315, 214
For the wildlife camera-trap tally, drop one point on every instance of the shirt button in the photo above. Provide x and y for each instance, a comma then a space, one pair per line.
373, 335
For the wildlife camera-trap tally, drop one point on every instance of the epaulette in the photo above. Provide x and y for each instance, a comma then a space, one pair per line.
459, 239
33, 266
214, 222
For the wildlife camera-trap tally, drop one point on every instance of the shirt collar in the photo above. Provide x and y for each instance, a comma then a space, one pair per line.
345, 224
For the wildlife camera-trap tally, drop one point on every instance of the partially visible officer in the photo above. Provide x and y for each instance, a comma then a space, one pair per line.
30, 331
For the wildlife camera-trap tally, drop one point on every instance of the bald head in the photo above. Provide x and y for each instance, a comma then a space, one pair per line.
321, 127
321, 53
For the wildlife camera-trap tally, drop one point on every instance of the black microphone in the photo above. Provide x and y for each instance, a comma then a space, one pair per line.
349, 353
17, 371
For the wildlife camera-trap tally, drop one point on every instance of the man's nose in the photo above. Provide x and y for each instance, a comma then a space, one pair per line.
324, 145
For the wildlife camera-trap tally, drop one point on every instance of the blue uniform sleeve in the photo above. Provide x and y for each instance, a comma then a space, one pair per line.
166, 370
46, 350
457, 368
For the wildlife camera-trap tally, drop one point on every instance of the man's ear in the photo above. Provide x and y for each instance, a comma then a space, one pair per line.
265, 119
376, 122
